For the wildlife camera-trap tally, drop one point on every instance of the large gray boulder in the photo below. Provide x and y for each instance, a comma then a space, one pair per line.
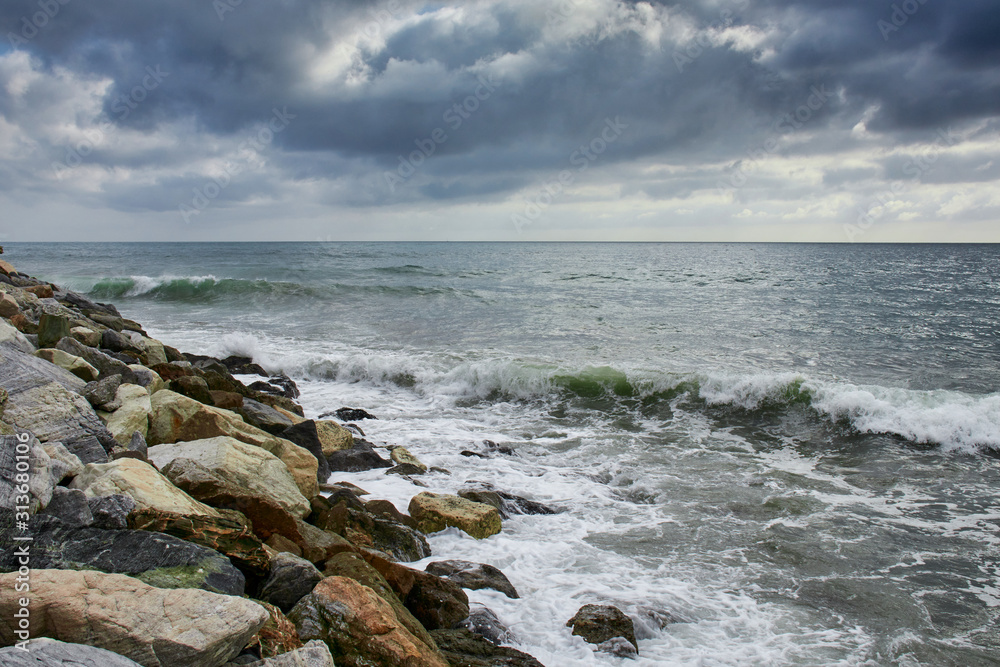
157, 559
291, 579
153, 626
44, 399
23, 462
47, 652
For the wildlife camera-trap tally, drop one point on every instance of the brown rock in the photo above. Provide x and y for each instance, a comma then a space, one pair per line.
282, 544
359, 627
225, 534
23, 324
278, 634
41, 291
8, 307
153, 626
227, 400
435, 602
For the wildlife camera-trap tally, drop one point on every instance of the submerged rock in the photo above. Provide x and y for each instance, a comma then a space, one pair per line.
474, 576
360, 457
467, 649
485, 623
153, 626
599, 623
353, 414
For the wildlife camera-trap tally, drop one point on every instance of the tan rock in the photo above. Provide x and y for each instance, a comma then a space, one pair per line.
6, 268
62, 462
252, 469
402, 456
155, 354
141, 482
333, 437
154, 627
132, 416
177, 418
360, 627
434, 512
69, 362
296, 419
86, 335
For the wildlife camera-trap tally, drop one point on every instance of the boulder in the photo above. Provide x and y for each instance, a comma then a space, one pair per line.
152, 626
353, 414
485, 623
227, 400
406, 470
66, 361
246, 468
238, 365
313, 654
141, 482
155, 354
467, 649
599, 623
362, 456
227, 534
62, 463
20, 449
118, 342
101, 394
305, 435
106, 319
158, 560
353, 566
43, 399
290, 580
46, 652
146, 378
133, 415
434, 512
69, 506
111, 512
86, 335
105, 364
41, 291
12, 338
435, 602
192, 387
474, 576
8, 307
402, 456
137, 446
177, 418
359, 627
266, 418
508, 504
333, 437
51, 328
353, 521
282, 544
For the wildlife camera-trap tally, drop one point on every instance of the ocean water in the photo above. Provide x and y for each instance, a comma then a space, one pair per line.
789, 451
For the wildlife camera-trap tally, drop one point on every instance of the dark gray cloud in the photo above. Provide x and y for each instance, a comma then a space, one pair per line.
514, 87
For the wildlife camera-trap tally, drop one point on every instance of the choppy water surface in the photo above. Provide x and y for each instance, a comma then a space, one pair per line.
789, 450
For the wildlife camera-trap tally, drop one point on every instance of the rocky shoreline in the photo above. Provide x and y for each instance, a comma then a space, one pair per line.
169, 509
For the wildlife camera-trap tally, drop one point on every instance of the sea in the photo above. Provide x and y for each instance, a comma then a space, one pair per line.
765, 454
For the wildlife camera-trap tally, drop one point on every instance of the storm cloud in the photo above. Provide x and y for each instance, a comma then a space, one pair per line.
773, 120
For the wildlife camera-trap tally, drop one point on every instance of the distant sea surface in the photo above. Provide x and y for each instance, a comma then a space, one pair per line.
789, 451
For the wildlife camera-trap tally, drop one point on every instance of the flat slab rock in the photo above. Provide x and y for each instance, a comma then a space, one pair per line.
153, 626
46, 652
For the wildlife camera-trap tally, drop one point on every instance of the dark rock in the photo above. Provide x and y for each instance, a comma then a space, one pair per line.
156, 559
507, 503
132, 325
362, 456
243, 366
268, 419
230, 535
105, 318
116, 342
464, 648
353, 414
599, 623
52, 328
173, 354
304, 435
105, 364
474, 576
137, 445
207, 364
173, 370
291, 579
485, 623
69, 506
436, 602
353, 566
45, 652
82, 303
279, 385
192, 387
387, 510
618, 647
349, 518
470, 454
405, 469
101, 393
356, 429
111, 512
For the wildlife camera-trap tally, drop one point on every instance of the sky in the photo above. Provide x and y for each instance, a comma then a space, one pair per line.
502, 120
